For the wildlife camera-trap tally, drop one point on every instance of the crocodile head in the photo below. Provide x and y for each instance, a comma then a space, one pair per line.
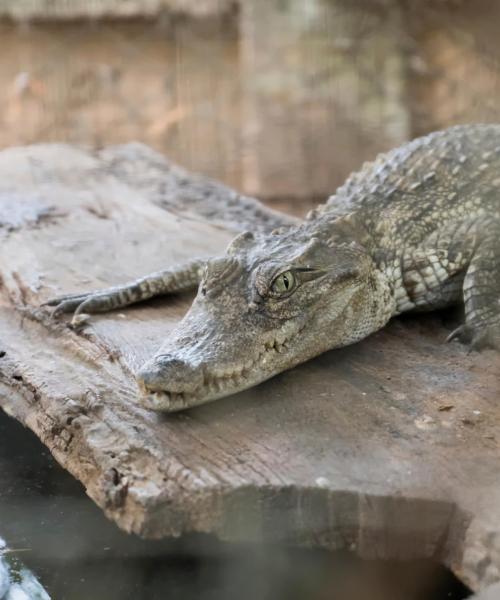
270, 303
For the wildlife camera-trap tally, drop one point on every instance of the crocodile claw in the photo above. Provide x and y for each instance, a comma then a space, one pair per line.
477, 337
463, 334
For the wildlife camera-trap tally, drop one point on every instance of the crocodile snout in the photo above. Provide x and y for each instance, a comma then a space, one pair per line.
167, 373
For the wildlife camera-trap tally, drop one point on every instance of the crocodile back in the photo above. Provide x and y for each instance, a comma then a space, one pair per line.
445, 170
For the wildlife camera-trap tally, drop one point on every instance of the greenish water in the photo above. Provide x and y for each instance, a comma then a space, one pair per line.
57, 540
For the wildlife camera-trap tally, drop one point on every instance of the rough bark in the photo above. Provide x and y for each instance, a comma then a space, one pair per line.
389, 448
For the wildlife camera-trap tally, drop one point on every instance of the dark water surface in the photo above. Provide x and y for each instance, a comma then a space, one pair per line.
54, 530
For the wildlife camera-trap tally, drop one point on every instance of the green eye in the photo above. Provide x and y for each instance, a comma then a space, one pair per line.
283, 283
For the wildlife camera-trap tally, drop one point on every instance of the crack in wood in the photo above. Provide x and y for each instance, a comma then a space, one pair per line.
328, 454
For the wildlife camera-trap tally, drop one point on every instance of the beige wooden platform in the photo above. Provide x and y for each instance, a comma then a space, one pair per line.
389, 448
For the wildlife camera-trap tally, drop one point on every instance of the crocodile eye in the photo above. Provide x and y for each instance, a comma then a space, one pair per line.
284, 283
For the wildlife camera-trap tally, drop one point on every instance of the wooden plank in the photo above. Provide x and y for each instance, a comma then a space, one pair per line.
389, 448
490, 593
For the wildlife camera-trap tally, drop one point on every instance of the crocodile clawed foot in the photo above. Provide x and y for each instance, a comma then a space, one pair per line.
65, 304
61, 308
79, 321
478, 336
463, 333
488, 337
71, 304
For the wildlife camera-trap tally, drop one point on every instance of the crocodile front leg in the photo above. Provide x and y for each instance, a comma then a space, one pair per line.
481, 291
177, 279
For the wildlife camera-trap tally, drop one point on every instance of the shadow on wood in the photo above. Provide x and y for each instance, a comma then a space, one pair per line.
389, 447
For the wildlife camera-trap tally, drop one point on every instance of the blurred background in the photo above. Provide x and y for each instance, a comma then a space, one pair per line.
280, 99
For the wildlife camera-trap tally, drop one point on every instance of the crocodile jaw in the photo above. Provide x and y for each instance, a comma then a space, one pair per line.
217, 382
239, 332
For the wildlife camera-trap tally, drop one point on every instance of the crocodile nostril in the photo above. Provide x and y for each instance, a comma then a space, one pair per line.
166, 373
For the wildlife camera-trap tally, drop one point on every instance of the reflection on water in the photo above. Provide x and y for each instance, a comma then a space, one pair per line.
77, 554
16, 581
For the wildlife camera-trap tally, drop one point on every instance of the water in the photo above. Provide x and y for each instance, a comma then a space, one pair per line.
58, 537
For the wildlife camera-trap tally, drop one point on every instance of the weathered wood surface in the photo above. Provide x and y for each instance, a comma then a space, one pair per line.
490, 593
389, 448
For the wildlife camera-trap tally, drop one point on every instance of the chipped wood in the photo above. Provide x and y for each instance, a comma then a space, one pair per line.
352, 450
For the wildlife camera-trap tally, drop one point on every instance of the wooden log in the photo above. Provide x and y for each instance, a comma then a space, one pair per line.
389, 448
490, 593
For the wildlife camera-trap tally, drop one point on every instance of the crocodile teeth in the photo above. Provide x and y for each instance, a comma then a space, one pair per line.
219, 380
158, 401
166, 401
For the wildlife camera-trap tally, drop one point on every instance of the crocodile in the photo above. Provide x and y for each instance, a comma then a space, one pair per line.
416, 229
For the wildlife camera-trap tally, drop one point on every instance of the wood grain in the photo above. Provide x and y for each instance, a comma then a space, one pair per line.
389, 448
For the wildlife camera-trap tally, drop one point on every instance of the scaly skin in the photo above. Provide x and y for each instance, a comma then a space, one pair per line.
417, 229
